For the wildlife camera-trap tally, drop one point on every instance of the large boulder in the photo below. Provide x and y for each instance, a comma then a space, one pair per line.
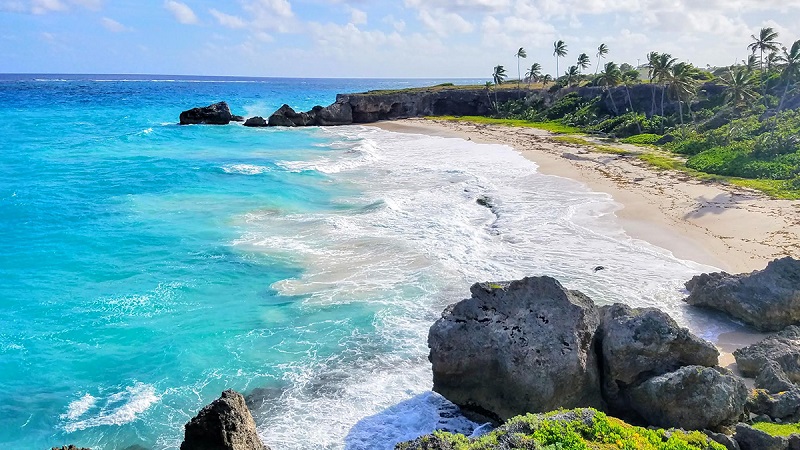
768, 299
225, 424
286, 116
216, 114
692, 397
775, 360
640, 343
517, 347
339, 113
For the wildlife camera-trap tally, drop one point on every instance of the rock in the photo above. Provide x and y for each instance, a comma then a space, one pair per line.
69, 447
225, 424
339, 113
281, 117
640, 343
256, 121
779, 355
216, 114
768, 299
749, 438
692, 397
235, 118
780, 406
724, 439
517, 347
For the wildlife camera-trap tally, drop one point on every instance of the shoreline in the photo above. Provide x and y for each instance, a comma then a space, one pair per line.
731, 228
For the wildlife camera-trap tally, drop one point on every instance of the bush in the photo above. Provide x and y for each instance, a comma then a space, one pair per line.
736, 160
690, 146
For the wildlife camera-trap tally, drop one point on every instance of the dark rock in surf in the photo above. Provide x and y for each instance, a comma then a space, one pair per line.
225, 424
235, 118
768, 299
257, 121
775, 361
216, 114
69, 447
517, 347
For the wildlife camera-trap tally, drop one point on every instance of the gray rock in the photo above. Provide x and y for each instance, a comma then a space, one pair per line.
235, 118
778, 355
225, 424
641, 343
780, 406
256, 121
751, 439
724, 439
339, 113
692, 397
518, 347
216, 114
768, 299
285, 116
70, 447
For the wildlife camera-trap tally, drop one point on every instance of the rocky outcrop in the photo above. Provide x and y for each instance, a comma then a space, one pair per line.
216, 114
768, 299
285, 116
692, 397
518, 347
781, 406
749, 438
225, 424
69, 447
256, 121
775, 361
638, 344
235, 118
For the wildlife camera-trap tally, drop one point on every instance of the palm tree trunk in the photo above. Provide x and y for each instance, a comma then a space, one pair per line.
519, 80
653, 104
785, 93
630, 103
663, 91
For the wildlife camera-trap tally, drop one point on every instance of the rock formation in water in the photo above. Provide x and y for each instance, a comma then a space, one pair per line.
225, 424
768, 299
533, 346
257, 121
524, 346
216, 114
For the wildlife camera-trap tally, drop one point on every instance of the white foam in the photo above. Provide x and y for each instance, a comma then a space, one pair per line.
245, 169
117, 409
413, 242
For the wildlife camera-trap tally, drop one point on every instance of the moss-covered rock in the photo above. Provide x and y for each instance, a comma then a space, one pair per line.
578, 429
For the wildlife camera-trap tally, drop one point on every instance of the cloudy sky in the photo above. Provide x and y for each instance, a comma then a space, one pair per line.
370, 38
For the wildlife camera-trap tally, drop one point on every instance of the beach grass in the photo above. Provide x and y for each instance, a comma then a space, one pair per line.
595, 147
553, 127
778, 429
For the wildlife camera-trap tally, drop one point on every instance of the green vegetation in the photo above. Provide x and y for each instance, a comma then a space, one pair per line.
575, 140
778, 429
553, 127
737, 124
585, 429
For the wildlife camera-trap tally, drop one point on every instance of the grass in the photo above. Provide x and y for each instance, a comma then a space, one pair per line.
778, 429
575, 140
662, 162
553, 127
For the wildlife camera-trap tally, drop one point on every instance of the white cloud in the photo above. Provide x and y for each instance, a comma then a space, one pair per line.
46, 6
113, 26
227, 20
181, 11
357, 16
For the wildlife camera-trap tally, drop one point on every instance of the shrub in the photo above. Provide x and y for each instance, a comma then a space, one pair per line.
643, 139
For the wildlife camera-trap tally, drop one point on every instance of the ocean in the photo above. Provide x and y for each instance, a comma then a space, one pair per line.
147, 266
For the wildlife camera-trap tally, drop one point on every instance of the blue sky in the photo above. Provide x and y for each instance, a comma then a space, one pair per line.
370, 38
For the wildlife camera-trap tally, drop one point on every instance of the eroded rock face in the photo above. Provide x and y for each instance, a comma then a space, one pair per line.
216, 114
775, 360
225, 424
769, 299
782, 405
518, 347
692, 397
639, 343
749, 438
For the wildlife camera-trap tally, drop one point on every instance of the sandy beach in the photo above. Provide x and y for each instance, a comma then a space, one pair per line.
732, 228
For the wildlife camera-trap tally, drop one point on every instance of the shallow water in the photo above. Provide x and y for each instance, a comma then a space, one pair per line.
148, 266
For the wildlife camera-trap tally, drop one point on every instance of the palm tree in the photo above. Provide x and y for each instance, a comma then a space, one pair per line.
628, 78
660, 72
790, 71
740, 87
765, 41
682, 85
546, 78
751, 64
559, 51
583, 61
499, 76
652, 62
534, 73
602, 51
520, 54
610, 77
772, 60
571, 74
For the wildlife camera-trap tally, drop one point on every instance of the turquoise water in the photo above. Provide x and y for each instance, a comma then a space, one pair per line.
146, 266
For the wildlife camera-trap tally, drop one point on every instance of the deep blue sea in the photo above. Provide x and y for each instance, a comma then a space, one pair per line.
145, 267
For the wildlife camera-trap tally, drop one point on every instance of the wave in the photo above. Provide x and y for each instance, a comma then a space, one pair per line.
245, 169
116, 409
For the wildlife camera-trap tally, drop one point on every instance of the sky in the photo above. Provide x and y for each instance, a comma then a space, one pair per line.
371, 38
